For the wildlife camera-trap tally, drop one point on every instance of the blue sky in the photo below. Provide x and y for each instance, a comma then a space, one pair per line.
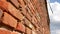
55, 16
54, 1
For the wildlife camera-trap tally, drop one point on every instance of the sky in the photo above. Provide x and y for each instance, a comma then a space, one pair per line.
55, 16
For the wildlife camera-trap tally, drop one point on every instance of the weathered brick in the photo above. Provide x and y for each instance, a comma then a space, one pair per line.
25, 12
1, 13
15, 12
4, 31
31, 8
15, 2
3, 4
33, 32
38, 17
11, 9
23, 6
37, 9
3, 0
28, 23
29, 11
28, 16
40, 28
39, 32
34, 21
20, 27
22, 22
33, 28
9, 20
15, 32
21, 2
28, 31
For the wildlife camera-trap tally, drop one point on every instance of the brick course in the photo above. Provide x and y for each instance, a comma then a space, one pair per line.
20, 27
9, 20
24, 17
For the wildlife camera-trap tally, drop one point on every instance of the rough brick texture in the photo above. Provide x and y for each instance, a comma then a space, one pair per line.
9, 20
24, 17
28, 31
4, 31
20, 27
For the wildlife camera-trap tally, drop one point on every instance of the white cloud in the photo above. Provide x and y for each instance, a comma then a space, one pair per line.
56, 11
55, 17
57, 31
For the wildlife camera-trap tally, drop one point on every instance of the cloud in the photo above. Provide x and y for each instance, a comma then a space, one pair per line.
54, 17
57, 31
56, 11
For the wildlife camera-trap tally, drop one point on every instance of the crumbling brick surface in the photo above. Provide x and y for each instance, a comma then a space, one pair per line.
24, 17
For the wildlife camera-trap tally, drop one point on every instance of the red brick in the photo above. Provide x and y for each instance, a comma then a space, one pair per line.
28, 31
25, 12
28, 16
39, 32
40, 29
38, 17
23, 7
35, 7
9, 20
21, 2
11, 9
33, 28
14, 32
28, 23
15, 12
20, 27
15, 2
1, 13
3, 0
29, 11
4, 31
24, 2
34, 21
22, 22
3, 4
33, 32
31, 8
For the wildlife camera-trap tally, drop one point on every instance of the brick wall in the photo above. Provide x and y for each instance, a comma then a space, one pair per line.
24, 17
